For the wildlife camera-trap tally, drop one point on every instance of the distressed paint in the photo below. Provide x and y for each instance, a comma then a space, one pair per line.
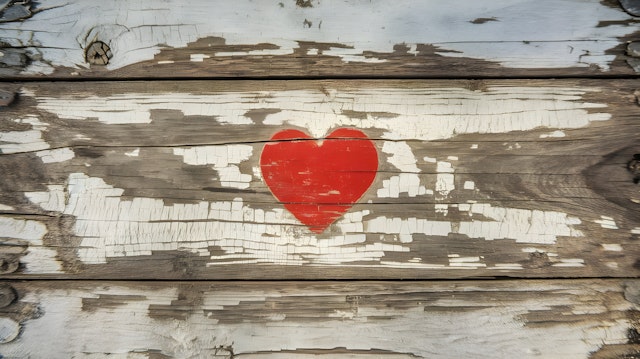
454, 111
607, 222
24, 141
39, 258
249, 228
224, 160
408, 181
56, 155
549, 319
114, 227
562, 34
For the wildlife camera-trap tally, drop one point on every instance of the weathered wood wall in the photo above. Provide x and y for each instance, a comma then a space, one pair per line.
499, 139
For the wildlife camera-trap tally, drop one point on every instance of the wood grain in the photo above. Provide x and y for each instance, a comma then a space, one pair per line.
478, 319
161, 180
329, 38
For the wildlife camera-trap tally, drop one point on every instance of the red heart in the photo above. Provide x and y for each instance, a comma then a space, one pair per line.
318, 181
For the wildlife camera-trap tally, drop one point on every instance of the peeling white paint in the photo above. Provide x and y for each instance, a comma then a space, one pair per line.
570, 262
133, 153
408, 181
199, 57
224, 159
474, 146
450, 111
431, 329
111, 226
24, 141
51, 200
636, 230
554, 134
56, 155
526, 34
614, 247
469, 185
607, 222
442, 208
521, 225
4, 207
38, 258
445, 182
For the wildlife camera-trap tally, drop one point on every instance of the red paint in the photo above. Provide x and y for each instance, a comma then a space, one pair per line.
318, 181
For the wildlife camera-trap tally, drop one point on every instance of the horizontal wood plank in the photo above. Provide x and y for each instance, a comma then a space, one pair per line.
471, 319
474, 178
144, 39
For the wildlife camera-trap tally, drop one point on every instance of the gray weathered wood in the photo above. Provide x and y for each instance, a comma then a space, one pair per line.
476, 178
479, 319
145, 39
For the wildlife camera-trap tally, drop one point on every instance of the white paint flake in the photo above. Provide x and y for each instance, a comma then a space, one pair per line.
444, 180
466, 262
470, 185
565, 34
570, 262
51, 200
474, 146
635, 230
56, 155
199, 57
133, 153
613, 247
4, 207
38, 258
408, 181
224, 159
554, 134
442, 208
607, 222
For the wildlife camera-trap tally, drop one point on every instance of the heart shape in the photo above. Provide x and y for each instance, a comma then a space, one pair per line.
318, 181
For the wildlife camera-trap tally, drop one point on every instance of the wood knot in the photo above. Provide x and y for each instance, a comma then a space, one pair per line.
6, 98
634, 167
98, 53
7, 295
9, 264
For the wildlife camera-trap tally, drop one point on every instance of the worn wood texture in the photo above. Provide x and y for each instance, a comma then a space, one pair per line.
475, 178
471, 319
147, 39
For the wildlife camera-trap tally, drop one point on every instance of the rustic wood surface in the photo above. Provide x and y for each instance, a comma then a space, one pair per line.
168, 210
301, 38
161, 180
470, 319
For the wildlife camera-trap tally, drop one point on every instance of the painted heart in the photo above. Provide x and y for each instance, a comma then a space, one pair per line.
318, 181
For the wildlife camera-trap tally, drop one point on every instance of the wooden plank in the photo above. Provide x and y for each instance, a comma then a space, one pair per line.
93, 38
492, 178
471, 319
